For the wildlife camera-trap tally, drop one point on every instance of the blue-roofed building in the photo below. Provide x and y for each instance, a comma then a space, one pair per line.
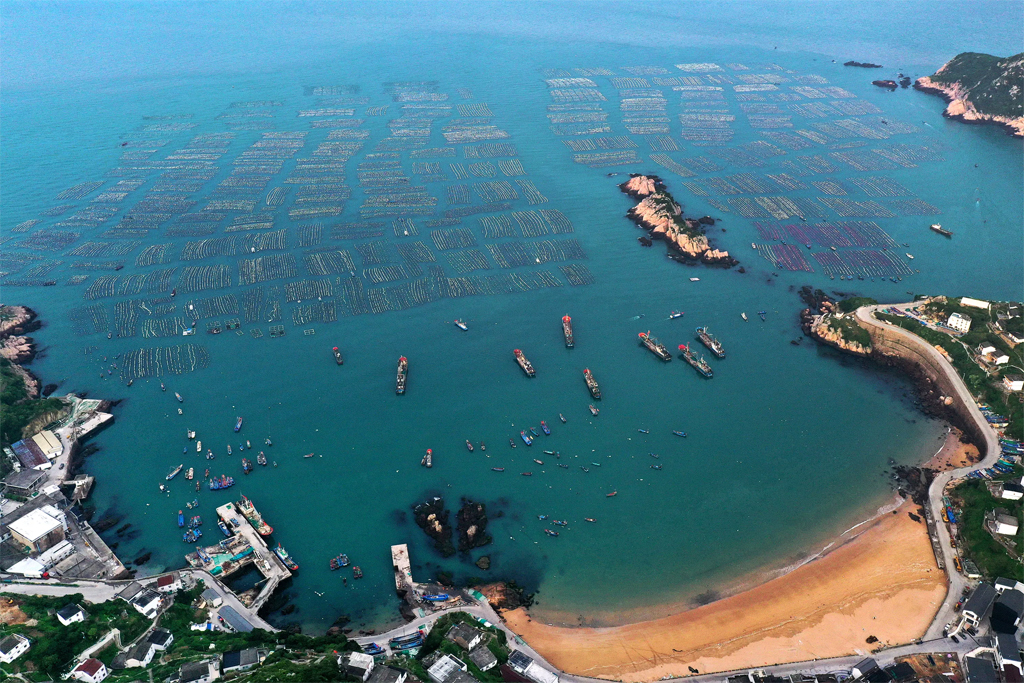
30, 455
234, 620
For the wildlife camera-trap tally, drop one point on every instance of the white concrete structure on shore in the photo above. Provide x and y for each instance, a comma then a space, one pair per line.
960, 323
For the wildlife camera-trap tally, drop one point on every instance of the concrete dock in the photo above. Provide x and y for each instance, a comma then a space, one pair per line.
266, 561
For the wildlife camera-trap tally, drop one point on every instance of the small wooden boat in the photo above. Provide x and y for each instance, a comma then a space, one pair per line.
469, 445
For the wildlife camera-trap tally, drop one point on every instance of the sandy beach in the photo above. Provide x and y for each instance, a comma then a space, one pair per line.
882, 583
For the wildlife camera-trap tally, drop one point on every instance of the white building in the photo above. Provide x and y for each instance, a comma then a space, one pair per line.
959, 323
445, 668
12, 647
1013, 383
169, 583
48, 443
975, 303
199, 672
356, 664
1006, 524
90, 671
70, 614
38, 530
146, 602
1011, 491
141, 654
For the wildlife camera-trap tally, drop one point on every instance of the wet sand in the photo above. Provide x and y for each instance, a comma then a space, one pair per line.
882, 582
953, 454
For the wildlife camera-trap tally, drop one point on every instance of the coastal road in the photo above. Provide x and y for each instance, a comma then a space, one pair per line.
94, 592
990, 450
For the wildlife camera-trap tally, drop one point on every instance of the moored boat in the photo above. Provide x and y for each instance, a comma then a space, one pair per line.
339, 561
357, 573
527, 439
238, 424
939, 229
190, 473
261, 459
428, 459
221, 482
461, 325
286, 558
524, 363
588, 377
174, 472
337, 356
181, 519
708, 340
403, 371
676, 314
497, 469
178, 396
567, 331
593, 411
744, 315
469, 445
698, 364
246, 465
223, 528
544, 427
562, 418
654, 346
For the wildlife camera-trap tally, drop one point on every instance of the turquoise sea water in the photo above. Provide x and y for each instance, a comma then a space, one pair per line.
787, 445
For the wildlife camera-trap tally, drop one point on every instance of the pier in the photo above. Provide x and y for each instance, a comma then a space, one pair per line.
243, 548
403, 568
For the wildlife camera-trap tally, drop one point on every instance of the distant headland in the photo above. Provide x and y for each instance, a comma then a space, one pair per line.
981, 88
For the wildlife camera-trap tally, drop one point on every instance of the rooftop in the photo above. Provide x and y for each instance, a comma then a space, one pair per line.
238, 658
193, 671
980, 670
160, 637
482, 657
981, 599
90, 666
234, 619
10, 642
68, 611
35, 525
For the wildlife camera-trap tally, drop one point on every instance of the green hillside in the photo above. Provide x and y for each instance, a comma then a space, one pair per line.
995, 86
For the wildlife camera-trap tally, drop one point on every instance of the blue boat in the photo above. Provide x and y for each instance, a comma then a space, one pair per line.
644, 431
533, 430
436, 597
224, 528
679, 433
238, 424
544, 426
526, 439
181, 519
373, 649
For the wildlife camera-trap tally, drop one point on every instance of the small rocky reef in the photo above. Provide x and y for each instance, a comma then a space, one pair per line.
981, 88
662, 217
833, 323
863, 65
471, 522
432, 517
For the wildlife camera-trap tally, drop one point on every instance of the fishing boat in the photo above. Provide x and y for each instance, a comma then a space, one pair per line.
261, 459
697, 363
562, 418
533, 430
539, 462
644, 431
428, 459
589, 519
248, 445
461, 325
174, 472
655, 467
592, 385
308, 455
357, 573
373, 649
221, 482
267, 442
526, 474
511, 442
676, 314
762, 314
654, 455
613, 493
190, 473
199, 446
564, 467
339, 561
209, 454
567, 331
403, 371
238, 424
437, 597
683, 434
544, 427
524, 363
337, 356
526, 438
482, 446
246, 466
654, 346
241, 447
195, 521
286, 558
694, 279
939, 229
181, 519
744, 316
224, 528
910, 256
593, 411
497, 469
559, 522
229, 449
189, 536
549, 532
469, 445
178, 396
708, 340
549, 452
250, 512
542, 517
585, 469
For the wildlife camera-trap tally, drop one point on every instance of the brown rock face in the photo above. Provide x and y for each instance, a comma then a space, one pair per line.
962, 109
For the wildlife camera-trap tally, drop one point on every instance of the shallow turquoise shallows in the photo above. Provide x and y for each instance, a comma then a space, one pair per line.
787, 446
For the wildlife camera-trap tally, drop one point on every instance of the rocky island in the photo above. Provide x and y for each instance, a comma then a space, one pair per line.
981, 88
662, 217
863, 65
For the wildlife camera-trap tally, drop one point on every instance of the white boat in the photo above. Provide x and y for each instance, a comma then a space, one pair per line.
753, 246
188, 332
910, 256
743, 315
694, 279
461, 325
199, 446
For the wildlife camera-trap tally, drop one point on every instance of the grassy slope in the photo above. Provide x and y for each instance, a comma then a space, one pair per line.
994, 85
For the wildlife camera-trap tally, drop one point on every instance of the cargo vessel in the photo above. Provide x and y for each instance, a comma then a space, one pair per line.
524, 363
337, 356
655, 346
567, 331
403, 370
709, 341
699, 364
595, 390
247, 509
286, 558
939, 229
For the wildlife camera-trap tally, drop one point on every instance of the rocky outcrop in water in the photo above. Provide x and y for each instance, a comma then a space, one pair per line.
662, 217
432, 517
863, 65
471, 522
981, 88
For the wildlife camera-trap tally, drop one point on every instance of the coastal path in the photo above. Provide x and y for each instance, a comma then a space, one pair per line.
93, 591
990, 450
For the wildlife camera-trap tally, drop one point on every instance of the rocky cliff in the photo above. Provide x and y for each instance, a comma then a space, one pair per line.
981, 88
